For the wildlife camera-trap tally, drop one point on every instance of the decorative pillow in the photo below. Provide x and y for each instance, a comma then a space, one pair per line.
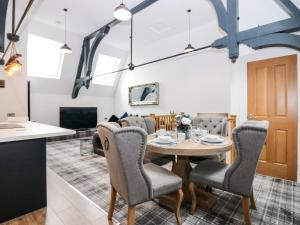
113, 118
124, 115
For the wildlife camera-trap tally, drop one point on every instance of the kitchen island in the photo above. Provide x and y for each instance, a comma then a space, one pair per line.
23, 186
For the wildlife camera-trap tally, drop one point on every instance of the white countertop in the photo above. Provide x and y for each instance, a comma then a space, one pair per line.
32, 130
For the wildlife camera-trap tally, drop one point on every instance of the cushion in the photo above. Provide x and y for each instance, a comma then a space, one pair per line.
113, 118
163, 181
124, 115
210, 173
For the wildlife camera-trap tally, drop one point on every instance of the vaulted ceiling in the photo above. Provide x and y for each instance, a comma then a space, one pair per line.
160, 20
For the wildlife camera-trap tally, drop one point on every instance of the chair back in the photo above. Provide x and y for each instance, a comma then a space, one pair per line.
216, 123
249, 139
150, 123
146, 123
124, 150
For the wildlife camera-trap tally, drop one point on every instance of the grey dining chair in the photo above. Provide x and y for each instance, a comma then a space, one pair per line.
215, 123
148, 124
249, 139
124, 150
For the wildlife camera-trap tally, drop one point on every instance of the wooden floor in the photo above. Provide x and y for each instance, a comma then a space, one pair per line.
66, 206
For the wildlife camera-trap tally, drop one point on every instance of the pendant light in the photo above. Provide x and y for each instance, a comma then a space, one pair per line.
13, 64
122, 12
65, 49
189, 48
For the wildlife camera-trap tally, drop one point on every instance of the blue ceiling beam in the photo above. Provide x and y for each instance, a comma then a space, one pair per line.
273, 34
257, 37
3, 11
289, 7
90, 45
274, 40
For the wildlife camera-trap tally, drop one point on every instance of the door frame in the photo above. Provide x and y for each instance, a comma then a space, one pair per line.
239, 90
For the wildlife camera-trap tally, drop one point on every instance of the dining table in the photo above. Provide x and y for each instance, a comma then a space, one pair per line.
182, 166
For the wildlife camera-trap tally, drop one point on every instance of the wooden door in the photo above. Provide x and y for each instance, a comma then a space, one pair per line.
272, 95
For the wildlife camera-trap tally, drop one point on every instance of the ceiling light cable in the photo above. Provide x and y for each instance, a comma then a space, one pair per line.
153, 61
65, 49
131, 65
189, 48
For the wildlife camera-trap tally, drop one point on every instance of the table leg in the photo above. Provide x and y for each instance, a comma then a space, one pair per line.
182, 168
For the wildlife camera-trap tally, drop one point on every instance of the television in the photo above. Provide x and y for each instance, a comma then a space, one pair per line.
78, 118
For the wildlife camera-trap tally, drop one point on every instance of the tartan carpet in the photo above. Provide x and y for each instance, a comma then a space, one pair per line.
278, 201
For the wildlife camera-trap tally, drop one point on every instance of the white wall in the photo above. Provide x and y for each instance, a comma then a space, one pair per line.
47, 95
45, 107
197, 82
13, 98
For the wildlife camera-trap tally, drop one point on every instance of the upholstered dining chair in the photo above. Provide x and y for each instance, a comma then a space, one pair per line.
148, 124
249, 139
124, 150
215, 123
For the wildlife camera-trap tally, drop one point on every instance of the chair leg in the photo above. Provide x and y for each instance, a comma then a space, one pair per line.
179, 201
193, 196
131, 215
246, 210
112, 203
252, 200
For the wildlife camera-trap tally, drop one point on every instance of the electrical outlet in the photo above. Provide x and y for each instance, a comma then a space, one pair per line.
11, 115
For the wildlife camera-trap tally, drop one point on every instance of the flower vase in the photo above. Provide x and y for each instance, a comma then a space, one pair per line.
186, 129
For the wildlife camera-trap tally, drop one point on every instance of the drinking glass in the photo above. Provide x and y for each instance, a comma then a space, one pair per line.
174, 133
181, 137
194, 132
162, 127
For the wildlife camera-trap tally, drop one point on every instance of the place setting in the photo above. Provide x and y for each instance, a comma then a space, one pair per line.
164, 138
203, 136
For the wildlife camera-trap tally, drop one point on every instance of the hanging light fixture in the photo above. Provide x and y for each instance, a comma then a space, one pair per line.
65, 49
13, 64
189, 48
122, 13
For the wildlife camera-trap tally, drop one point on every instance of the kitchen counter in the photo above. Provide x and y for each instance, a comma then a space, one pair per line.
31, 130
23, 163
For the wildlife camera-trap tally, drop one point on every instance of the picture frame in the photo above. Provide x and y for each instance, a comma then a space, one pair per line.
144, 94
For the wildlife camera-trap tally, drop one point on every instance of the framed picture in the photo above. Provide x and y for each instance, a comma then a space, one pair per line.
145, 94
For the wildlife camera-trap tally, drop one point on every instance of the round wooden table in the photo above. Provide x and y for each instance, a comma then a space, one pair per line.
182, 167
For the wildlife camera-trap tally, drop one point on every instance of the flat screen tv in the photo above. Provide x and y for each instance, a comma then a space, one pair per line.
78, 117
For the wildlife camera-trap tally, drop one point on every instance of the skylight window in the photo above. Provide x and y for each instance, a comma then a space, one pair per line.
43, 57
106, 64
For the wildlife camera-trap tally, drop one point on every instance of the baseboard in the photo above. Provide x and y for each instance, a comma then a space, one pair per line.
298, 177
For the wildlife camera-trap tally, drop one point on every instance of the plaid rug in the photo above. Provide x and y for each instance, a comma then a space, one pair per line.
278, 201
